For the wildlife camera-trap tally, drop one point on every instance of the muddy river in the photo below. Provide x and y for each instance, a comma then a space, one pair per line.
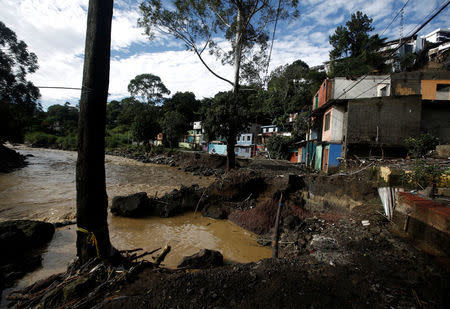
45, 190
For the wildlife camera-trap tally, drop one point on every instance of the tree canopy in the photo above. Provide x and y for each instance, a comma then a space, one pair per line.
148, 87
354, 49
18, 96
243, 23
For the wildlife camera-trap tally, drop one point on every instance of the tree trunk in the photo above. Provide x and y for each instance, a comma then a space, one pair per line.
231, 138
231, 156
92, 201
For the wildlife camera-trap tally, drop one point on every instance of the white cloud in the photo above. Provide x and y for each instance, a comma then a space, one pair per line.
55, 31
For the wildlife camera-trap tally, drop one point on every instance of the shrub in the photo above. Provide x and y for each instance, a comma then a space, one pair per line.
40, 139
424, 174
68, 142
278, 146
419, 146
116, 140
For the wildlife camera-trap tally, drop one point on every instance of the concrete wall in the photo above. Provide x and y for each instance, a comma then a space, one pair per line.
218, 149
411, 83
429, 90
436, 120
367, 88
334, 133
390, 119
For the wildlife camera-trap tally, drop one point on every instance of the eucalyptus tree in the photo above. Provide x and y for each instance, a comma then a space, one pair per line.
235, 31
148, 87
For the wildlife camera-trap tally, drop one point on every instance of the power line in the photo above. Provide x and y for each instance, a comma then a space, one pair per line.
394, 18
415, 32
396, 49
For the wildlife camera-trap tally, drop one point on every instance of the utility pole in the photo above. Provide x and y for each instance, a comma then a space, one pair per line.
92, 201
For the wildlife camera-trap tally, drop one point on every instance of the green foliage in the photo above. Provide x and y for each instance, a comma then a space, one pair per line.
424, 174
62, 119
278, 146
157, 150
226, 116
18, 97
196, 23
290, 90
145, 126
40, 139
174, 125
407, 62
68, 142
419, 146
300, 126
354, 42
116, 140
183, 103
148, 87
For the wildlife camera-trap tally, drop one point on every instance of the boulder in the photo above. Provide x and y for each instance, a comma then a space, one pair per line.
19, 236
135, 205
205, 258
290, 222
215, 212
177, 201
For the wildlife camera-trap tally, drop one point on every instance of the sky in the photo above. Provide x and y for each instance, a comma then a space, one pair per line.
55, 31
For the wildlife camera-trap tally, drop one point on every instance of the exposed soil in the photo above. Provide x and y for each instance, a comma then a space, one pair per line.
327, 257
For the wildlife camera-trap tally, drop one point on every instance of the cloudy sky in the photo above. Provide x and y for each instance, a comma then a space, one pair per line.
55, 31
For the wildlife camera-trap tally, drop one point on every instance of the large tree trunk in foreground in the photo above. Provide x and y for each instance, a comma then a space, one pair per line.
231, 156
92, 201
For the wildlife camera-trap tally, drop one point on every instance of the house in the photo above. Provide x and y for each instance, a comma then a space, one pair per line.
194, 138
217, 147
372, 121
159, 139
246, 145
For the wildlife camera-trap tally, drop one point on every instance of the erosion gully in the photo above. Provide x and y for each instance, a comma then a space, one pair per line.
45, 190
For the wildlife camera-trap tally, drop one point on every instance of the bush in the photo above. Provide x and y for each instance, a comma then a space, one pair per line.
68, 142
278, 146
116, 140
424, 174
40, 139
419, 146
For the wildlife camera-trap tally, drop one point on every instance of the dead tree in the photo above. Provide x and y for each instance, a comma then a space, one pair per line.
92, 201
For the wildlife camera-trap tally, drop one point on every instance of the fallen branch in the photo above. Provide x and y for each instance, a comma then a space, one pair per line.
146, 253
162, 256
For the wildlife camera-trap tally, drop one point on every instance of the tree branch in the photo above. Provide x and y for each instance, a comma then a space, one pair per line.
210, 70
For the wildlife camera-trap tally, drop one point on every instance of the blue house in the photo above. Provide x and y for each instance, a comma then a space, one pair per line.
245, 145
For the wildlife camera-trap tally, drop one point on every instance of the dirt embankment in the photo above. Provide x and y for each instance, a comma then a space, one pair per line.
327, 257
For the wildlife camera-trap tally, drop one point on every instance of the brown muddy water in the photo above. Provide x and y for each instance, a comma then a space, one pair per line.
45, 190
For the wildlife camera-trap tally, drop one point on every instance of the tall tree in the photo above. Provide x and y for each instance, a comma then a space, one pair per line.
148, 87
92, 201
243, 23
354, 45
18, 96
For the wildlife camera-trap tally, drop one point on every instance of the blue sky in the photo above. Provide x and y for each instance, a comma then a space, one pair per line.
55, 31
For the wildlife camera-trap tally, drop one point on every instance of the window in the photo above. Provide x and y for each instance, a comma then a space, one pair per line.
443, 92
327, 122
248, 138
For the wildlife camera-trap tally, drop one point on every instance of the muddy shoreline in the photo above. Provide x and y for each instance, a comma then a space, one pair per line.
328, 258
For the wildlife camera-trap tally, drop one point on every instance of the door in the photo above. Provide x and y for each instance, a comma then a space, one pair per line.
325, 159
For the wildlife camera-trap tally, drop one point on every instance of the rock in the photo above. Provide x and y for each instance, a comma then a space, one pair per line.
215, 212
323, 243
177, 201
135, 205
290, 222
205, 258
19, 240
19, 236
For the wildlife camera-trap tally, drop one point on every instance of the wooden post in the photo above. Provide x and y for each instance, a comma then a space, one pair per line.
276, 233
92, 201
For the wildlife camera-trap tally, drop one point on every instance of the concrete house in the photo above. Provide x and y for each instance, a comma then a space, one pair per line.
369, 117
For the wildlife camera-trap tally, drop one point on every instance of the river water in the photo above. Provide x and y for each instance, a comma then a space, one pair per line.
45, 190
